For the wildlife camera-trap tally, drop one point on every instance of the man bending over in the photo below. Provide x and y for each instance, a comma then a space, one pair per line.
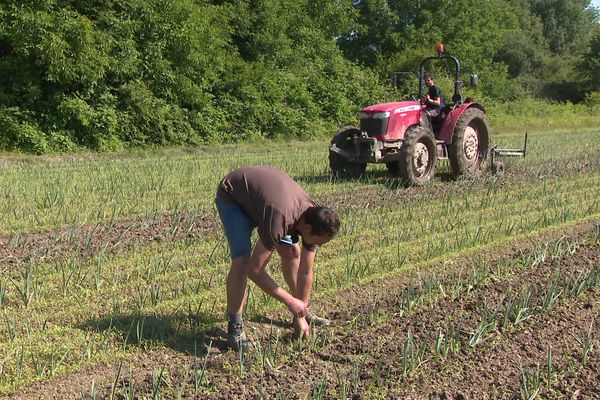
268, 199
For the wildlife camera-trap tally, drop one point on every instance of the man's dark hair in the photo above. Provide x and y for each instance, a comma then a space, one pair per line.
428, 76
322, 220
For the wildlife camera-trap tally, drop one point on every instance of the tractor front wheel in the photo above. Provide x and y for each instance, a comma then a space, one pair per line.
340, 166
417, 157
393, 168
470, 147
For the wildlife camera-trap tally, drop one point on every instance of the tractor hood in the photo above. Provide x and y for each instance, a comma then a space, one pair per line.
389, 121
393, 108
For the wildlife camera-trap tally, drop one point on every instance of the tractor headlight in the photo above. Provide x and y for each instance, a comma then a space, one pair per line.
377, 115
381, 115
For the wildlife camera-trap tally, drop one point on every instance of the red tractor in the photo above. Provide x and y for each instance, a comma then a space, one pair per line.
401, 135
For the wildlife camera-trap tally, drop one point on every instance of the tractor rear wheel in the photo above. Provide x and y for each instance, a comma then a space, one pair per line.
470, 147
417, 157
340, 166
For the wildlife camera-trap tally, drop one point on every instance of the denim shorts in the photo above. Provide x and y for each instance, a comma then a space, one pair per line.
238, 228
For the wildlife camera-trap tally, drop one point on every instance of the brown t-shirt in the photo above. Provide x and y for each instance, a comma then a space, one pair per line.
272, 200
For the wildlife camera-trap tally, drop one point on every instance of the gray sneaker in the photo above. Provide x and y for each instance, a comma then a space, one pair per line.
236, 338
316, 320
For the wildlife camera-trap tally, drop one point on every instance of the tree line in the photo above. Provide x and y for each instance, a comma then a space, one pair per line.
113, 74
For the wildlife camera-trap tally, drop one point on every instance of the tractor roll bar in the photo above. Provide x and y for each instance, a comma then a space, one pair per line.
457, 81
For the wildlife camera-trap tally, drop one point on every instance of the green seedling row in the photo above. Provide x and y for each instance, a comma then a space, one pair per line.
148, 283
88, 190
159, 276
169, 293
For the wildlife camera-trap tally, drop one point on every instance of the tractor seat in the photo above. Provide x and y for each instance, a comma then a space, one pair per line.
444, 112
457, 98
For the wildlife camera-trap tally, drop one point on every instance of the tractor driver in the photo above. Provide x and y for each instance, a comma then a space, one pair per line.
268, 199
434, 101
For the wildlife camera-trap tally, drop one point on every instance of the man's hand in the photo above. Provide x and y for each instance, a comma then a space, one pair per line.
301, 328
298, 308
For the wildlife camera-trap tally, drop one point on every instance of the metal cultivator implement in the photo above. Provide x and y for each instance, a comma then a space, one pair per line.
498, 166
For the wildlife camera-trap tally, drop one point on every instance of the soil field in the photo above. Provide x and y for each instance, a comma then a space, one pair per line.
481, 327
485, 289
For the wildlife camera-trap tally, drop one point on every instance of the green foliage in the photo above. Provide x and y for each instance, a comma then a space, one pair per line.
592, 100
533, 114
294, 81
517, 47
19, 132
107, 75
524, 55
567, 23
567, 28
590, 63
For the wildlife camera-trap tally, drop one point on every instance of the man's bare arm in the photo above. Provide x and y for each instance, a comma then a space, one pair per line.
258, 274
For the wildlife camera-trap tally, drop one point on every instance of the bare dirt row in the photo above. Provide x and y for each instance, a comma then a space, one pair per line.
84, 241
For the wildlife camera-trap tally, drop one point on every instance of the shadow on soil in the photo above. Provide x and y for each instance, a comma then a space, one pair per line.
261, 319
191, 334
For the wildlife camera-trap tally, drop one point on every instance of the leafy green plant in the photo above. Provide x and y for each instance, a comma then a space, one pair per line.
587, 343
530, 383
200, 370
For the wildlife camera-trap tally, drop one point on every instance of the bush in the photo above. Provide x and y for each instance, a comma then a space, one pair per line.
592, 100
108, 75
19, 132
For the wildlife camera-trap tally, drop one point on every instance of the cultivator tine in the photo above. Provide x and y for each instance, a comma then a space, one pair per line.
512, 152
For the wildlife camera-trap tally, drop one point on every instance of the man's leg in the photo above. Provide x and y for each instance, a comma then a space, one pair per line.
238, 228
237, 279
431, 113
236, 285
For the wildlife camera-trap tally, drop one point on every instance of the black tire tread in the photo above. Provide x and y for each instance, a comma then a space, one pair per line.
455, 149
406, 172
